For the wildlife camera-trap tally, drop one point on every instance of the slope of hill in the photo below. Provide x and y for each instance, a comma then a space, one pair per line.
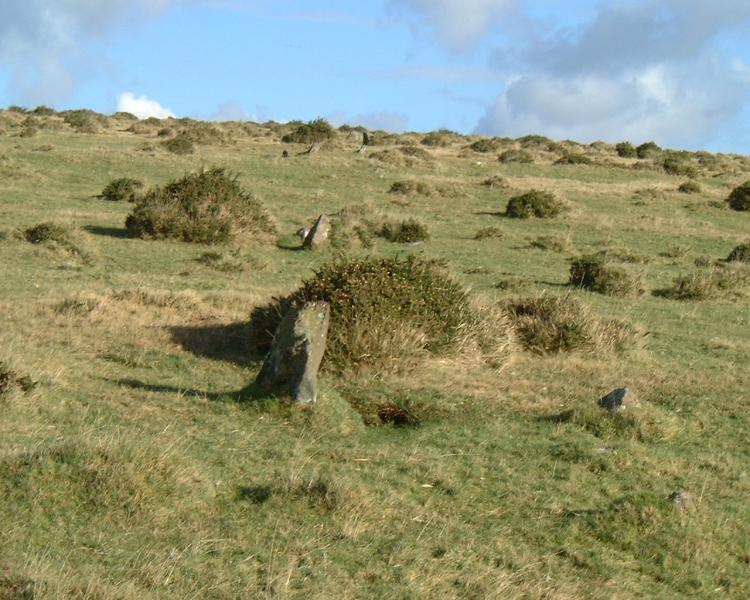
131, 465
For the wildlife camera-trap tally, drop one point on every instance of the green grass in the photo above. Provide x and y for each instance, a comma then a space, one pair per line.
136, 468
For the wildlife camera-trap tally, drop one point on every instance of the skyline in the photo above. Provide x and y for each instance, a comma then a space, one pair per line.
673, 71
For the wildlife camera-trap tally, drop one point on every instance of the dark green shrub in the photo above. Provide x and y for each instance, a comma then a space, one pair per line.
626, 150
648, 150
674, 166
179, 145
535, 141
534, 203
47, 232
405, 232
209, 207
515, 156
122, 189
552, 324
385, 312
595, 273
484, 145
124, 116
739, 199
17, 109
740, 253
439, 138
689, 187
573, 158
317, 130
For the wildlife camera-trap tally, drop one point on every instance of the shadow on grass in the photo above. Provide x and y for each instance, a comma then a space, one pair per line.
250, 393
115, 232
233, 342
289, 247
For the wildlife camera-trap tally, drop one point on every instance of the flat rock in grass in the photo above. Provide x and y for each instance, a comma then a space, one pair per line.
618, 400
318, 235
291, 366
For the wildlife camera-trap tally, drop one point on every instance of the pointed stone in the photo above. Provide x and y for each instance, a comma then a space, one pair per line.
291, 366
618, 399
318, 236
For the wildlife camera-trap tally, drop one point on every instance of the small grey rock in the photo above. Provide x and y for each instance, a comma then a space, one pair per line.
681, 500
291, 366
618, 400
318, 235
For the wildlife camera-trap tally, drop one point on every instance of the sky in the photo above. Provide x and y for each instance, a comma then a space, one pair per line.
673, 71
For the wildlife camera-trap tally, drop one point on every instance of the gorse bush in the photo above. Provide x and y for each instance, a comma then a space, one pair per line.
386, 312
626, 150
317, 130
47, 232
437, 139
740, 253
674, 166
739, 199
552, 324
596, 273
122, 189
534, 203
648, 150
405, 232
84, 120
209, 207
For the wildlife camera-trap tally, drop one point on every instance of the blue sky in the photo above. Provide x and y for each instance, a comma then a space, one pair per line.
676, 71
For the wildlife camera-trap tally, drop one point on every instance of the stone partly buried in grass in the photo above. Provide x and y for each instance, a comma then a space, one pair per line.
618, 400
291, 366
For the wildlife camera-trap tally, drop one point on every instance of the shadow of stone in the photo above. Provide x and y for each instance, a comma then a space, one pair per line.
238, 342
563, 417
115, 232
250, 393
281, 246
257, 494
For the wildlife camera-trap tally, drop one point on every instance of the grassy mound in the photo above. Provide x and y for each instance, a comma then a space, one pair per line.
534, 203
179, 145
122, 189
739, 199
386, 313
552, 324
596, 273
209, 207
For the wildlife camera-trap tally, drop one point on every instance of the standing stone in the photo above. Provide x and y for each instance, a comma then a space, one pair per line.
291, 366
618, 399
318, 236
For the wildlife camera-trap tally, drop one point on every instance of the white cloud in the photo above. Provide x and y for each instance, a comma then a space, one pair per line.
638, 71
459, 24
142, 107
41, 41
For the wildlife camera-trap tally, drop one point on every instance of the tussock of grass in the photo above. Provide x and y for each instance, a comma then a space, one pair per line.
11, 380
551, 243
689, 187
516, 156
595, 272
387, 313
410, 187
534, 203
489, 232
496, 182
553, 324
574, 158
645, 423
209, 207
719, 282
485, 145
59, 238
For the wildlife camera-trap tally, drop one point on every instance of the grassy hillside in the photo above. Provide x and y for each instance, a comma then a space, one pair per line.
133, 466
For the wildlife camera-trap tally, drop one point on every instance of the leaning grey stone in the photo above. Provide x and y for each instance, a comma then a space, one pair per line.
618, 399
318, 235
291, 366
